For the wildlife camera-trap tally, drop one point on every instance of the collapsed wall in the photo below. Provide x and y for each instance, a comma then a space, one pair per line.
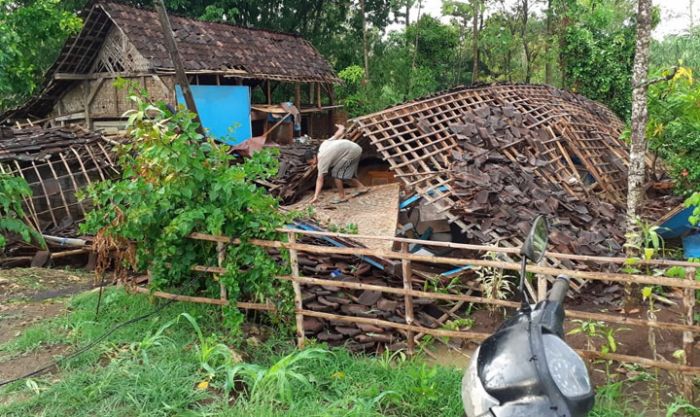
56, 163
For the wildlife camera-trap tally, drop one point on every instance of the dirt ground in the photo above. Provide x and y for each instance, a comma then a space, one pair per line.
30, 295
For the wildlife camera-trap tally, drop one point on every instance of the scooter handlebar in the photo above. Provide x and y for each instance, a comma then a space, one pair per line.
559, 289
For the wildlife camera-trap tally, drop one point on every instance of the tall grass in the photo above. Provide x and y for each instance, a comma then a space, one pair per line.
156, 368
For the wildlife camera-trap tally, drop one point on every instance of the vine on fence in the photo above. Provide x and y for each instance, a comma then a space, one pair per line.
12, 191
175, 182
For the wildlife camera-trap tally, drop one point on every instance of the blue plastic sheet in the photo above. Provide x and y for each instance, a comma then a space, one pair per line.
223, 109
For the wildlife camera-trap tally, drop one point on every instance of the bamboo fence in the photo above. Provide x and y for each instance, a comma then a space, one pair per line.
412, 328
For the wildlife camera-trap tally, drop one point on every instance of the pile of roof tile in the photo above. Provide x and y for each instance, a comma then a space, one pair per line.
501, 192
359, 303
294, 176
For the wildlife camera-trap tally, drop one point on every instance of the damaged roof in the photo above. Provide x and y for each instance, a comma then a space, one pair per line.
205, 47
491, 158
56, 163
210, 46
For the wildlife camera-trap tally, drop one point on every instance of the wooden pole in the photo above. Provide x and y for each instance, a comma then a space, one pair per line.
201, 300
486, 248
221, 257
408, 298
298, 304
593, 275
268, 92
319, 103
689, 336
493, 301
297, 95
180, 75
541, 287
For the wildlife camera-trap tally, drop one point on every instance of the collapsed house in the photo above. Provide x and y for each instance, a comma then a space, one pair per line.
234, 73
489, 159
56, 163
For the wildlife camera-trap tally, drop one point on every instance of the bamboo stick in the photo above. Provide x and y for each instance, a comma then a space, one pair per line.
202, 300
688, 336
298, 301
669, 366
221, 256
408, 299
481, 300
400, 326
486, 248
592, 275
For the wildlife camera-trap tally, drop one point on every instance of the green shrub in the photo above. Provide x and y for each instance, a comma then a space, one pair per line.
12, 191
175, 182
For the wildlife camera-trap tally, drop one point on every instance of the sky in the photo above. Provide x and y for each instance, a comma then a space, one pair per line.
674, 15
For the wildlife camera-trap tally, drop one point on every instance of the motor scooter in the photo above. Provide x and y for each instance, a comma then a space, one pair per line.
526, 369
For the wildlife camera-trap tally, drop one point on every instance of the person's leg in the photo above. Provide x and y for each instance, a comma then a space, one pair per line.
339, 187
357, 183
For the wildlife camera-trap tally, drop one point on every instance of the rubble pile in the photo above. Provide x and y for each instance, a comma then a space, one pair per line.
360, 303
295, 176
502, 181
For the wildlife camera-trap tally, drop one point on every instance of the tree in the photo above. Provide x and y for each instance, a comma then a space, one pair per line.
476, 9
31, 34
365, 51
638, 145
597, 51
548, 69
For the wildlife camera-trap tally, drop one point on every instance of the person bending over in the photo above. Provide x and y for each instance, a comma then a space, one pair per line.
340, 158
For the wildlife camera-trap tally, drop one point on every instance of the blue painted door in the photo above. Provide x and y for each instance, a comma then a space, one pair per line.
223, 109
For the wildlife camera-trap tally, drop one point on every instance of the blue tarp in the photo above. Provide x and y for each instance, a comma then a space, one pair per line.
223, 109
691, 246
677, 225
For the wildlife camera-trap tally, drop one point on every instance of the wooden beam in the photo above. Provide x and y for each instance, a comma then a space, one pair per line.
297, 95
70, 76
177, 61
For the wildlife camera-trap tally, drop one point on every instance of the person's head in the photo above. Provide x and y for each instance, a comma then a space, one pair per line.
310, 156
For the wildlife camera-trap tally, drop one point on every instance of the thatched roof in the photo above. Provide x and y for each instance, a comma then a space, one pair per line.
121, 39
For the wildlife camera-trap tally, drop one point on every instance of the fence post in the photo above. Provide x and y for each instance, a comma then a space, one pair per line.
541, 287
298, 304
221, 257
407, 286
688, 336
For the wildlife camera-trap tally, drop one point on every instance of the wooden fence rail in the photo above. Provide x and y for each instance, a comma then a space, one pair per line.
411, 327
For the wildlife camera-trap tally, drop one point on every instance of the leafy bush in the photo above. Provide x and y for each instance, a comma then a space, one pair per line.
175, 182
694, 200
674, 126
12, 191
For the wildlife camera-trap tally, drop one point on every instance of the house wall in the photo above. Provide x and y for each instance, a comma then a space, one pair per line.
107, 101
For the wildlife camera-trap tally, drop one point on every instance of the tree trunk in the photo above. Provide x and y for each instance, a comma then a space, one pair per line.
525, 4
408, 14
364, 39
638, 147
475, 40
690, 10
548, 68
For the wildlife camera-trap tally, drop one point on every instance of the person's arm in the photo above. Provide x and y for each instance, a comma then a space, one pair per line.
338, 133
319, 186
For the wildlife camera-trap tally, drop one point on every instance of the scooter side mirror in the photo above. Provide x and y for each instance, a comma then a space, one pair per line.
537, 240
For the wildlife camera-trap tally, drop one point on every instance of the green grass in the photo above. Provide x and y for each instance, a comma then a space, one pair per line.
161, 366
